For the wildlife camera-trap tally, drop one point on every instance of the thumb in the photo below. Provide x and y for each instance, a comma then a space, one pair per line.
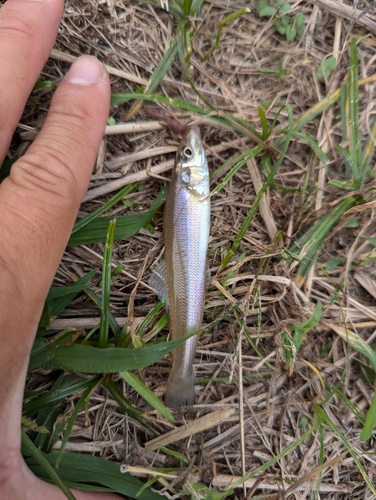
39, 201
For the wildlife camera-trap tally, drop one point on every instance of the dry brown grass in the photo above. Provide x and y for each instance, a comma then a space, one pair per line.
131, 38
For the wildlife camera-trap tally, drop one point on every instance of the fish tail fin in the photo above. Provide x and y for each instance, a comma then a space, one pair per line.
180, 391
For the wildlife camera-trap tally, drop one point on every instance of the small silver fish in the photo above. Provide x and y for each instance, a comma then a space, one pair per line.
186, 225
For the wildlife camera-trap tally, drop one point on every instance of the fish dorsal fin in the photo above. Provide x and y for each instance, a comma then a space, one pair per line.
158, 282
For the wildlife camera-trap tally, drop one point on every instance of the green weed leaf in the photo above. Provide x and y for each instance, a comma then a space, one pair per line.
267, 11
91, 473
126, 226
88, 359
326, 68
147, 394
370, 421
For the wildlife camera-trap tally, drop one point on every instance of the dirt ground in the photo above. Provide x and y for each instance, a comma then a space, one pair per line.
261, 406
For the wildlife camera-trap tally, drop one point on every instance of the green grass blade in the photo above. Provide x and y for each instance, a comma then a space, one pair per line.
352, 452
163, 67
157, 328
71, 385
312, 321
342, 105
196, 8
182, 39
59, 297
5, 168
249, 155
304, 327
369, 150
32, 450
264, 123
313, 145
225, 20
126, 226
87, 359
355, 148
348, 157
117, 99
34, 426
356, 343
112, 321
147, 394
324, 224
145, 325
72, 419
275, 459
174, 454
370, 421
87, 471
361, 346
269, 180
309, 244
345, 186
46, 84
228, 163
49, 417
106, 206
187, 5
349, 404
43, 350
148, 483
124, 402
316, 110
325, 103
106, 284
57, 292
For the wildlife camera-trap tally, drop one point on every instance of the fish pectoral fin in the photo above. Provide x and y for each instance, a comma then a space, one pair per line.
158, 282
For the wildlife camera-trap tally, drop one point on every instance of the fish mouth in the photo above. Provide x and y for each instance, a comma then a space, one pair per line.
191, 135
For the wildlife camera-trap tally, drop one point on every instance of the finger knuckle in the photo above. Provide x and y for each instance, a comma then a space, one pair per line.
75, 118
49, 173
13, 24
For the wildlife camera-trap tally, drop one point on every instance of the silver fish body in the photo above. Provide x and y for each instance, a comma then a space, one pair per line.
186, 232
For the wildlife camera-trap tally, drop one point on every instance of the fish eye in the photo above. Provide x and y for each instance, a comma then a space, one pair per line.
187, 152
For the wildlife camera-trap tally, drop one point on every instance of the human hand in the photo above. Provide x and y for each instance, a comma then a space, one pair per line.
39, 202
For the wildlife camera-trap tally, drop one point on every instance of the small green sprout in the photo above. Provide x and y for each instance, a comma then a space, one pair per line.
286, 24
303, 422
334, 263
127, 202
293, 336
326, 68
353, 223
267, 8
116, 270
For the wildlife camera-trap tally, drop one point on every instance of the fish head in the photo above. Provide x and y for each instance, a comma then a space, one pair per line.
191, 167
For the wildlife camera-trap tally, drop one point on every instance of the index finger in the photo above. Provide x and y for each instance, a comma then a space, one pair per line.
28, 30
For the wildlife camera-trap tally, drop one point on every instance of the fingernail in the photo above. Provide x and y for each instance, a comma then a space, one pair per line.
86, 70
